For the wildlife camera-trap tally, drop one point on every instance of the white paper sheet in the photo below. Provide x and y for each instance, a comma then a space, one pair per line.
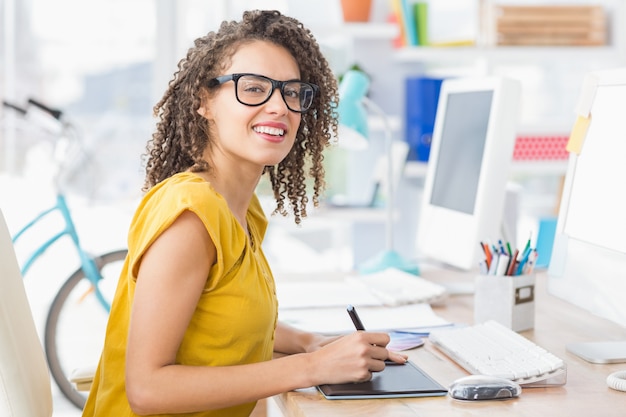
335, 320
307, 294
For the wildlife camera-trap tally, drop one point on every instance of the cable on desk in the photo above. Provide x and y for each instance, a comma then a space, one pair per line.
617, 380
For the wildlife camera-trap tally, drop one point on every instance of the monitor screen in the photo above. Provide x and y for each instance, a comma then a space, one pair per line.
468, 169
588, 262
461, 148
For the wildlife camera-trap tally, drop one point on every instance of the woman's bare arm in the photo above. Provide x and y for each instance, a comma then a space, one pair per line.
171, 277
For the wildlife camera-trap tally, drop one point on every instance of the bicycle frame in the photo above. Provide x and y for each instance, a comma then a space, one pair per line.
87, 262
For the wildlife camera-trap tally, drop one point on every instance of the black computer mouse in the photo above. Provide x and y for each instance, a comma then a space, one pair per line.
483, 387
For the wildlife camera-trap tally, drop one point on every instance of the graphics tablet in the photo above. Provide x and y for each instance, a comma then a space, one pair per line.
394, 381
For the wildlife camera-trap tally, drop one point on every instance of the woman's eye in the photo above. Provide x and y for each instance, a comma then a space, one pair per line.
255, 88
290, 92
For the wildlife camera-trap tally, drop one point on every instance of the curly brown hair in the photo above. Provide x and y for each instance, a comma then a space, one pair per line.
182, 134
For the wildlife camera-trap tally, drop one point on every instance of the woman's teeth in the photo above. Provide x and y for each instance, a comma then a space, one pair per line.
269, 130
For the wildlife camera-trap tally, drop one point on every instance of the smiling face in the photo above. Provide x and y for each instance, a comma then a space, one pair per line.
260, 135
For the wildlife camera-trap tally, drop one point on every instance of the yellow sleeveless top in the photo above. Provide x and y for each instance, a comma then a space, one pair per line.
235, 319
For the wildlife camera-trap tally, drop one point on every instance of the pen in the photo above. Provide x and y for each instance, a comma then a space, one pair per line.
482, 266
502, 250
522, 262
503, 264
527, 247
494, 264
358, 324
485, 248
513, 263
530, 264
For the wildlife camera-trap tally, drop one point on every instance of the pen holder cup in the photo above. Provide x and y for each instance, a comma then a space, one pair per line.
509, 300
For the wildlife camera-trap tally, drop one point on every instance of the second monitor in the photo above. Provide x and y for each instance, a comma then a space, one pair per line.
468, 169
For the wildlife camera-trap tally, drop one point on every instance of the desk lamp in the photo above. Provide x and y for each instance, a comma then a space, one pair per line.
353, 112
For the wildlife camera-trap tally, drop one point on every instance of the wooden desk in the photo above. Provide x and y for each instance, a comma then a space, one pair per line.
556, 323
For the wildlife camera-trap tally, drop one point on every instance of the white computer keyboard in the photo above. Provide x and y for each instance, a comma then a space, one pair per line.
493, 349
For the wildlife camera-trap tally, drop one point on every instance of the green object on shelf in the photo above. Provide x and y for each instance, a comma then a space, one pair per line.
420, 12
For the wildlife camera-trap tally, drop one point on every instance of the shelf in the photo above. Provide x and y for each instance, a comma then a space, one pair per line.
504, 53
377, 124
371, 30
418, 169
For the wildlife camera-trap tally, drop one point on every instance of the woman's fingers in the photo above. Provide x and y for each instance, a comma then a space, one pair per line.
396, 357
355, 357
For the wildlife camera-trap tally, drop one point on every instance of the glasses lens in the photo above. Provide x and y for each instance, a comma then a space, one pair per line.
298, 95
253, 90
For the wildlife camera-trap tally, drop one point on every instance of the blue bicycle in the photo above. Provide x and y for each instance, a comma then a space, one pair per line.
76, 320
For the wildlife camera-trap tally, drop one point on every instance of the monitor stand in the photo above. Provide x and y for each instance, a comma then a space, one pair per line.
600, 352
508, 230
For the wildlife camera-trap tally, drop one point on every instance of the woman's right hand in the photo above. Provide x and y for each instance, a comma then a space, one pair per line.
352, 358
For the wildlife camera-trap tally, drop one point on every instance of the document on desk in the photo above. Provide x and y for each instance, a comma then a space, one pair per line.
334, 320
391, 287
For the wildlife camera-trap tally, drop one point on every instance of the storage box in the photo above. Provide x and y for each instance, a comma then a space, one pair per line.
509, 300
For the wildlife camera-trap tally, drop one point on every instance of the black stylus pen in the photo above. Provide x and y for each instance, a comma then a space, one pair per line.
358, 324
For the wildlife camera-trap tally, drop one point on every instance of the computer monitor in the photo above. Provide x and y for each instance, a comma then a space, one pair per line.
468, 169
588, 263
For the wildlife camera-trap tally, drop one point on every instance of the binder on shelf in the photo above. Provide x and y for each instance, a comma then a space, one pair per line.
422, 96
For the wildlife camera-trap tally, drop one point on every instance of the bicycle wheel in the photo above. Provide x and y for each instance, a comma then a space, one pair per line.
76, 323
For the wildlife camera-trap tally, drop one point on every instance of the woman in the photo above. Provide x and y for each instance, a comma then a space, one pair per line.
193, 325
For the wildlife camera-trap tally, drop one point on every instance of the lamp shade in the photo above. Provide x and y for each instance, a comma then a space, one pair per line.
352, 112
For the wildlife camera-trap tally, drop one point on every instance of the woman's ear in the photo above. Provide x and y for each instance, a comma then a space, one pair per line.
203, 109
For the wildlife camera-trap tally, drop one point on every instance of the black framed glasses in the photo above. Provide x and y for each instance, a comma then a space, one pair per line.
255, 90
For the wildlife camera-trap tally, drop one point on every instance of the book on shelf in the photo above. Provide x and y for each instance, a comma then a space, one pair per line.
420, 14
427, 23
396, 18
408, 19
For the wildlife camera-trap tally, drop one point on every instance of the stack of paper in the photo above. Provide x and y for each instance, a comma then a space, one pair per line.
388, 300
395, 287
390, 287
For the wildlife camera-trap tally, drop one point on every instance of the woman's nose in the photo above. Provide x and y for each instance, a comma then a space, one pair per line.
276, 103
